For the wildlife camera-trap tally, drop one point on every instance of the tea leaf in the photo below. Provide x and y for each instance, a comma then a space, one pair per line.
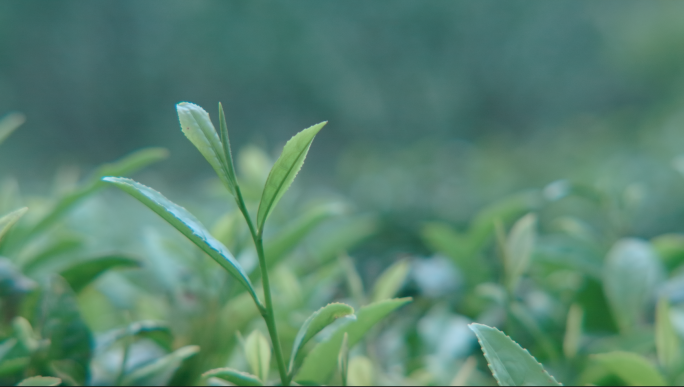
315, 323
343, 359
7, 221
285, 170
9, 124
83, 273
510, 364
236, 377
518, 249
634, 369
225, 141
157, 331
631, 273
667, 340
258, 354
188, 225
40, 381
391, 281
321, 361
361, 372
197, 127
160, 371
573, 331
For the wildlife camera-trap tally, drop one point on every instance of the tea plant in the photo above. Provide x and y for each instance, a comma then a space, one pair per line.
215, 148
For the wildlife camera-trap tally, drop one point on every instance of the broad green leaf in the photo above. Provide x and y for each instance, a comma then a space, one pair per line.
9, 124
343, 360
630, 275
197, 127
391, 281
668, 345
321, 361
83, 273
258, 354
40, 381
316, 323
60, 323
518, 249
285, 170
225, 141
188, 225
123, 167
235, 377
510, 364
160, 371
7, 221
573, 331
361, 372
291, 235
634, 369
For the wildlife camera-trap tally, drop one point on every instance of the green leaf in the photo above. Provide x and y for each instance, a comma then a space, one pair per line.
510, 364
197, 127
573, 331
24, 332
670, 249
631, 273
361, 372
123, 167
60, 323
83, 273
236, 377
40, 381
634, 369
518, 249
315, 323
291, 235
9, 124
157, 331
285, 170
321, 361
188, 225
7, 221
225, 141
160, 371
391, 281
668, 345
343, 360
258, 354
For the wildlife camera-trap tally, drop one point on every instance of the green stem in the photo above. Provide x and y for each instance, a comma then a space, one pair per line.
267, 310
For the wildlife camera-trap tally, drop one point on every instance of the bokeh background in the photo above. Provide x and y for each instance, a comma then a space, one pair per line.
435, 108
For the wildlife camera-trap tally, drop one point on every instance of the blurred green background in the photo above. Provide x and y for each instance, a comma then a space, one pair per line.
435, 108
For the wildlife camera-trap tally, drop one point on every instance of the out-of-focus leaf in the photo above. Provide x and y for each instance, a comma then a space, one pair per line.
160, 371
343, 360
7, 221
668, 345
40, 381
123, 167
188, 225
285, 170
24, 332
361, 372
573, 331
321, 361
235, 377
463, 375
60, 322
316, 323
5, 348
391, 280
353, 279
343, 237
157, 331
634, 369
197, 127
9, 124
83, 273
12, 281
291, 235
32, 260
12, 366
518, 249
258, 354
630, 276
510, 364
670, 249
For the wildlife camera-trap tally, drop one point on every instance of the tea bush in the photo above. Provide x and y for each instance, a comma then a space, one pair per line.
89, 297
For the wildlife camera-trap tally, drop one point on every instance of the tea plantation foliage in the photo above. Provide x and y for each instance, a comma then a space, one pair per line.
262, 288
